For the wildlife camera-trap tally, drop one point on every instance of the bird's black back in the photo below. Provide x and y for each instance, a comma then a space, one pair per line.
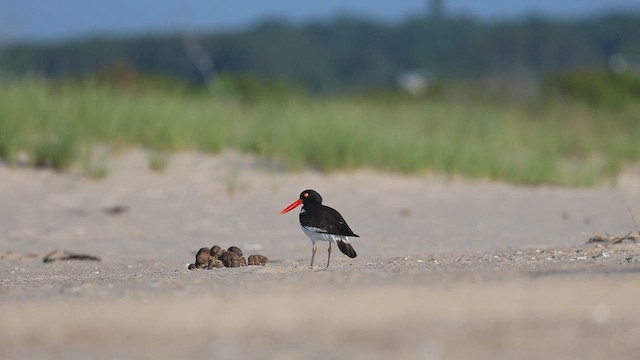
325, 218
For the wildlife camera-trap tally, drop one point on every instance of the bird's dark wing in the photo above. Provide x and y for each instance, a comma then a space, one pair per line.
325, 218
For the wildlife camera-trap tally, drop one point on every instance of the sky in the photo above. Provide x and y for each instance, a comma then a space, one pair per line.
59, 20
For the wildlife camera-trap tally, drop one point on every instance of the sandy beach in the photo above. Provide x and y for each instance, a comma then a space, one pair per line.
447, 268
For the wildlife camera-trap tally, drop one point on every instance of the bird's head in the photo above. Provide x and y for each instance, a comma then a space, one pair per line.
306, 197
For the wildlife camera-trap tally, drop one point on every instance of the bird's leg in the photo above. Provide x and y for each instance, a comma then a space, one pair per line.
329, 256
313, 254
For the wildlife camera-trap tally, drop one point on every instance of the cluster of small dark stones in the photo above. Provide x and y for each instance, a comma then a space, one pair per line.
217, 258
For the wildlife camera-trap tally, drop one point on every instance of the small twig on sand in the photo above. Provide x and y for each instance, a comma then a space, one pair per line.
609, 239
634, 221
614, 239
623, 238
58, 255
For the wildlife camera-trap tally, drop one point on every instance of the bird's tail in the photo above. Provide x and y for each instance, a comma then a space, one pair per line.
346, 248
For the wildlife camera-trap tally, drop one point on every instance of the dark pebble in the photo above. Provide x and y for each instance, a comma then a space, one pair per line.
215, 251
231, 259
236, 250
203, 257
257, 259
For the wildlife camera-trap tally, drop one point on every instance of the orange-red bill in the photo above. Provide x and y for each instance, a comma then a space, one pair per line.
291, 207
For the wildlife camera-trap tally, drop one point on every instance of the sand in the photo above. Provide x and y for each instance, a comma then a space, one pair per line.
447, 268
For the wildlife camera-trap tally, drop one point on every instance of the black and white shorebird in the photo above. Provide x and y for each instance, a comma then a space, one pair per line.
322, 223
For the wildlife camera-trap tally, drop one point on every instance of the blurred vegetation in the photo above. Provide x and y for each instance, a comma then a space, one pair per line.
596, 87
57, 124
348, 54
529, 102
248, 88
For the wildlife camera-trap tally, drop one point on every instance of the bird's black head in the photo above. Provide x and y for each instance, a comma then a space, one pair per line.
310, 197
306, 197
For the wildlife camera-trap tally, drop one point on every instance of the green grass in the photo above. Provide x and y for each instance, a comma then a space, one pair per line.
562, 143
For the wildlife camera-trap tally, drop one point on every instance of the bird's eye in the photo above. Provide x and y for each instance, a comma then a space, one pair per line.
305, 194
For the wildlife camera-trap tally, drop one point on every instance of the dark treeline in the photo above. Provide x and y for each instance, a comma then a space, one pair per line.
348, 53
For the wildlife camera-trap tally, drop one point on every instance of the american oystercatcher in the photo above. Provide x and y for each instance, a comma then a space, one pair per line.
322, 223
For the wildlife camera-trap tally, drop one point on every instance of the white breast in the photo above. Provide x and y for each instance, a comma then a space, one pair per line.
316, 234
